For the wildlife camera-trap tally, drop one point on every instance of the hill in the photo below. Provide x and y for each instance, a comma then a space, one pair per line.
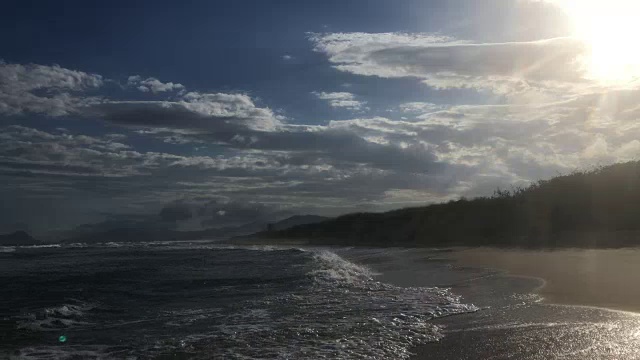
295, 221
596, 208
140, 234
18, 238
135, 233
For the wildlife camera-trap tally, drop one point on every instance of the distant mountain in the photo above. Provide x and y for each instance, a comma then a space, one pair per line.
18, 238
132, 233
597, 208
142, 234
295, 221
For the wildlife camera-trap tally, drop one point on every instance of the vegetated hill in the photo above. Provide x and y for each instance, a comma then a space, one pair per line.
597, 208
135, 233
18, 238
295, 221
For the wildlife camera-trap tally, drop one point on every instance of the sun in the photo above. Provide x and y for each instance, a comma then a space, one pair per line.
610, 28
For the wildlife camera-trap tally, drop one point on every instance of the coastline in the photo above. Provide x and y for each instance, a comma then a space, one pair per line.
513, 322
602, 278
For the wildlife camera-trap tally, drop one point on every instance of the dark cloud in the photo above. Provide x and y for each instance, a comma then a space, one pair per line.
175, 213
193, 113
217, 213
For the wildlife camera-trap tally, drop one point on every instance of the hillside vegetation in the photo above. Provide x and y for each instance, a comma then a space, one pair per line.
596, 208
18, 238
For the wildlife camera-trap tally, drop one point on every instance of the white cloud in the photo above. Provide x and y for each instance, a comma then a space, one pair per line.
437, 152
56, 91
442, 62
32, 77
420, 107
153, 85
49, 90
341, 100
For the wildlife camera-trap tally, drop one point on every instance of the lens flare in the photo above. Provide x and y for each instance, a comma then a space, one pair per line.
610, 29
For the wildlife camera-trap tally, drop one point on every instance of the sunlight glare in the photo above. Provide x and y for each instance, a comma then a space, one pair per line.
610, 28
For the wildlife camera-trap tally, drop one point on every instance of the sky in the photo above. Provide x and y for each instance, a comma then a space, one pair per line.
200, 114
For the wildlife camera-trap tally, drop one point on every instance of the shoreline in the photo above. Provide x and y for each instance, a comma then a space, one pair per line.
600, 278
509, 325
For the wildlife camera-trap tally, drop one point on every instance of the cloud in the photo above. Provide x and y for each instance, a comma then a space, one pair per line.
223, 212
153, 85
256, 163
48, 90
34, 151
56, 91
518, 143
420, 107
44, 165
175, 212
443, 62
194, 113
445, 149
341, 100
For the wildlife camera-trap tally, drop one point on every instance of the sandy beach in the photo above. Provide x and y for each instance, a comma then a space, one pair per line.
602, 278
533, 304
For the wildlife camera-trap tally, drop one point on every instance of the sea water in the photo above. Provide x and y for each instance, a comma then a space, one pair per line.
207, 301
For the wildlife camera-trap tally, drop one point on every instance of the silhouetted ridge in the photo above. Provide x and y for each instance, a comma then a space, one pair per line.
295, 221
135, 233
18, 238
600, 207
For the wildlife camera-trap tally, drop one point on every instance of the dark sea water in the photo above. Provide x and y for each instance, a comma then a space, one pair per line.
205, 301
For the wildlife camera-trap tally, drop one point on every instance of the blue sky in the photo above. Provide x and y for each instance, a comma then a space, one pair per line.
255, 110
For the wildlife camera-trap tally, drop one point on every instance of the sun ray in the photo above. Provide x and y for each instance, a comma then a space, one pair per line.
610, 30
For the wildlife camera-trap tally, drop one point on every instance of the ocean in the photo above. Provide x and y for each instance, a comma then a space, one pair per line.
200, 300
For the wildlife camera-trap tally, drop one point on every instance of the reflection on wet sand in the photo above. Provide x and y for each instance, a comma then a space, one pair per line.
602, 278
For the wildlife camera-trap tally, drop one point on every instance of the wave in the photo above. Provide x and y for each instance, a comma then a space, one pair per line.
95, 352
343, 313
221, 301
331, 267
54, 318
47, 246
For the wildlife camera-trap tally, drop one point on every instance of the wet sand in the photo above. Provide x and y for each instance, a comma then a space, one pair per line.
602, 278
578, 288
513, 321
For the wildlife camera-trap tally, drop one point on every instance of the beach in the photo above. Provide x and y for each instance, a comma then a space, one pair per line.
603, 278
533, 304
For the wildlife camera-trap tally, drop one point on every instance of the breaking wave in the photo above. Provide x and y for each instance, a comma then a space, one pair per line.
205, 301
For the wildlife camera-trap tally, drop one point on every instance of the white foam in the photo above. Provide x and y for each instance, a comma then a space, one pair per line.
55, 318
331, 267
96, 352
330, 308
344, 314
77, 245
48, 246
